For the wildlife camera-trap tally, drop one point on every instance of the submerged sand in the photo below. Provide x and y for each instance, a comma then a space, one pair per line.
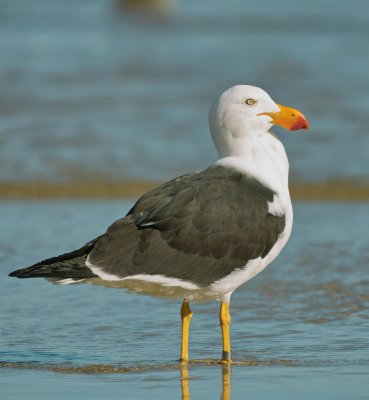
340, 190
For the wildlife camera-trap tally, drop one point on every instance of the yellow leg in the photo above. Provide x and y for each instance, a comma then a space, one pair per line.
184, 382
186, 315
225, 320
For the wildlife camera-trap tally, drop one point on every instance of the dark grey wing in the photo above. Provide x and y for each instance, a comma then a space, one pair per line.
68, 265
198, 228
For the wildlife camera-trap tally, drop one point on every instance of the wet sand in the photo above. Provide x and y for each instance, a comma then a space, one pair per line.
118, 369
338, 189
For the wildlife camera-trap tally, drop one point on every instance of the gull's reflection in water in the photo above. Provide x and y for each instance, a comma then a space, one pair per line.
184, 382
226, 382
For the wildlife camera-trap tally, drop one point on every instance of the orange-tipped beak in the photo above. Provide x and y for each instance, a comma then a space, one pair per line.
289, 118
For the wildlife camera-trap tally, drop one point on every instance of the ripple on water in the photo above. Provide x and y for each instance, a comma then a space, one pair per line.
311, 305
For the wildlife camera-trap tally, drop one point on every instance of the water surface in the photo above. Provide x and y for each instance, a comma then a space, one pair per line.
300, 328
88, 90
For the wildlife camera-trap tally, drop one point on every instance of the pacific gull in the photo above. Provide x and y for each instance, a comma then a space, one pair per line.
201, 235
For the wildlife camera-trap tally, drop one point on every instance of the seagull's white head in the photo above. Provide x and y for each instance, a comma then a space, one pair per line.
243, 113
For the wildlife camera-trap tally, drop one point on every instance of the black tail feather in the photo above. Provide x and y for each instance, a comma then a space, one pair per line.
68, 265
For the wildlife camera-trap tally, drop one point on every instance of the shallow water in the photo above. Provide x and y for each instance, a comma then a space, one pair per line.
300, 328
203, 383
87, 90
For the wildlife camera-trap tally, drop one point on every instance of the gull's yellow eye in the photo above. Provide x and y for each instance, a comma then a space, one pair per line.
250, 102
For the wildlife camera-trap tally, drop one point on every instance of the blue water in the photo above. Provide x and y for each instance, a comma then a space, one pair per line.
87, 90
204, 383
302, 324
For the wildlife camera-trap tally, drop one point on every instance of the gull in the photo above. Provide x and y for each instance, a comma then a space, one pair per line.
200, 236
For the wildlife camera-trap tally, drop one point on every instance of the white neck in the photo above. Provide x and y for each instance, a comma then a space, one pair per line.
244, 142
260, 156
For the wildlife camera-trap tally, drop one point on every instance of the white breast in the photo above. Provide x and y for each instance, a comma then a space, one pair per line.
267, 162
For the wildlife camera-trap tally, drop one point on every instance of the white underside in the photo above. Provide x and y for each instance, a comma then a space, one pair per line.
68, 281
160, 279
